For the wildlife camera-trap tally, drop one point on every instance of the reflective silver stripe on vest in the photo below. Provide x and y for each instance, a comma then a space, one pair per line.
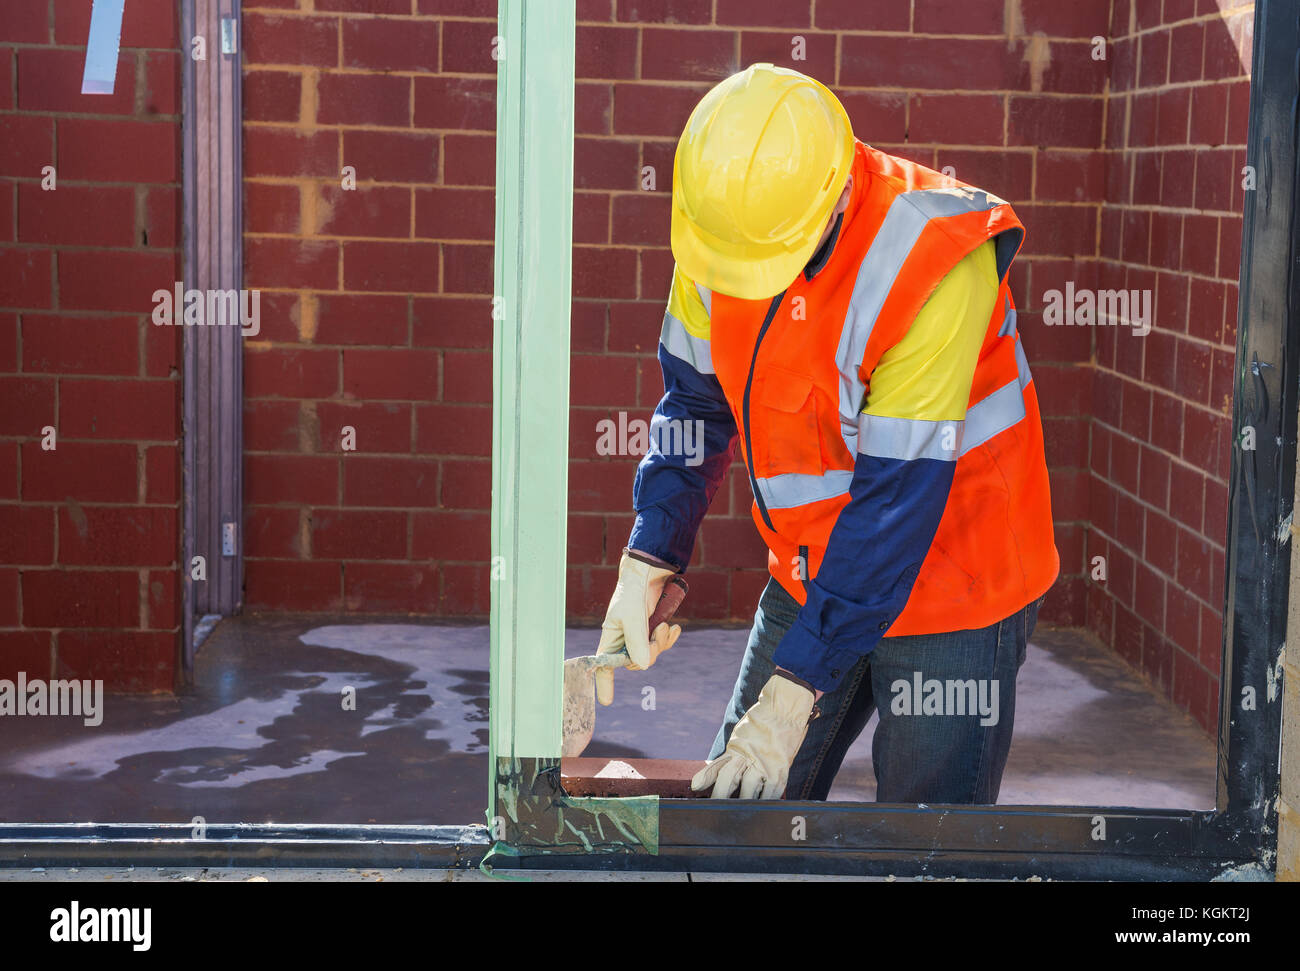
898, 233
793, 489
1008, 328
681, 343
706, 297
1022, 365
886, 437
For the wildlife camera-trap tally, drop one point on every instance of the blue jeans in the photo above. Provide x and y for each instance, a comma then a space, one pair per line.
944, 743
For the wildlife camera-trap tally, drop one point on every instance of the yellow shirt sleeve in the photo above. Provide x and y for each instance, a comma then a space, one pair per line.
927, 375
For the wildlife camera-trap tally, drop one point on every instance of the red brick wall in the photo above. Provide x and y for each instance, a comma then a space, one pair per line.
380, 296
89, 530
1162, 404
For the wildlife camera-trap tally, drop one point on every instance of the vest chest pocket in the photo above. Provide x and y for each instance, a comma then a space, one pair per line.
784, 426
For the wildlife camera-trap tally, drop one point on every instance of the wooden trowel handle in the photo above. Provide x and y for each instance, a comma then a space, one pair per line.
674, 592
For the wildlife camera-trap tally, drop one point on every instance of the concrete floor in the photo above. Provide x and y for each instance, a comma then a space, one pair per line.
264, 736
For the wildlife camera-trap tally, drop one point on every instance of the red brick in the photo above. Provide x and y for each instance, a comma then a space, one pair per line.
817, 56
162, 217
363, 99
467, 269
1056, 122
367, 210
125, 660
392, 156
378, 426
909, 62
451, 535
358, 534
284, 152
163, 601
84, 345
1223, 58
455, 103
611, 52
403, 373
162, 473
954, 118
114, 280
665, 11
456, 213
100, 150
469, 160
361, 319
1173, 111
774, 13
114, 408
453, 429
390, 481
116, 536
28, 277
668, 54
6, 79
940, 17
272, 532
270, 425
1209, 114
297, 479
592, 109
467, 376
271, 207
290, 372
604, 272
467, 46
394, 6
81, 598
29, 404
27, 535
1154, 59
1186, 52
28, 22
162, 95
642, 218
293, 585
272, 96
291, 262
1193, 372
466, 483
403, 267
602, 163
1066, 176
386, 587
377, 44
856, 15
656, 273
1161, 542
466, 590
1205, 316
452, 322
76, 215
652, 109
296, 39
50, 80
881, 116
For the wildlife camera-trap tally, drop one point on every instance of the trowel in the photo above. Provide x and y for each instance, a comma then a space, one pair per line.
580, 675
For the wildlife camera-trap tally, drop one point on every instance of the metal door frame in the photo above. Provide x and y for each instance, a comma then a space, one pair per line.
212, 356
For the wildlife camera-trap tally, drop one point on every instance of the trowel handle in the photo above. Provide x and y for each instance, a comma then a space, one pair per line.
674, 592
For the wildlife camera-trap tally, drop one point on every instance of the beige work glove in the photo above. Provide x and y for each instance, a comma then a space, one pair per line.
763, 744
627, 621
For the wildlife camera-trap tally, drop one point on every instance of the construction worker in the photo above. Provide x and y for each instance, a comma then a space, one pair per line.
844, 315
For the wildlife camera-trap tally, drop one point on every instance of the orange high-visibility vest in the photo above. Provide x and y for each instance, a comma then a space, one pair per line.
796, 370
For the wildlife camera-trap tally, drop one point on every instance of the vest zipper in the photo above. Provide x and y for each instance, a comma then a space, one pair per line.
749, 384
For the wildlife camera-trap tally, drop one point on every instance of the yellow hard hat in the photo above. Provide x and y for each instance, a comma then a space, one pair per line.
758, 169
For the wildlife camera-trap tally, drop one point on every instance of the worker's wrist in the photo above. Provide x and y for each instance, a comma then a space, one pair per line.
783, 673
647, 558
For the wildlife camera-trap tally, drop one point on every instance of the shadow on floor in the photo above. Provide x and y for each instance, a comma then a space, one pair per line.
296, 719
